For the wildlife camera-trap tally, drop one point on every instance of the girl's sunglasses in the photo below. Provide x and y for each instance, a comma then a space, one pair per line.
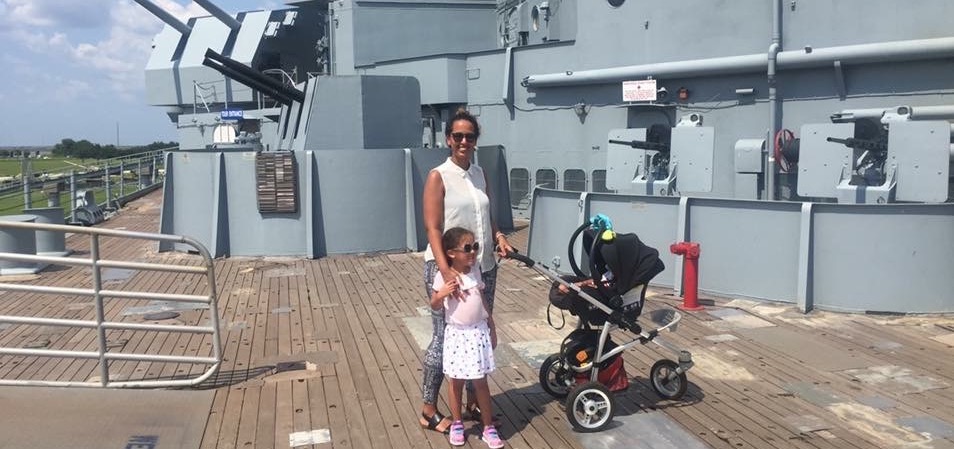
469, 248
459, 137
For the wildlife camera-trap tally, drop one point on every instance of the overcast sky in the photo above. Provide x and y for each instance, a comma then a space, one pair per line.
74, 69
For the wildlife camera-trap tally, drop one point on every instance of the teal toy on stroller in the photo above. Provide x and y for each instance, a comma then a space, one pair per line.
588, 368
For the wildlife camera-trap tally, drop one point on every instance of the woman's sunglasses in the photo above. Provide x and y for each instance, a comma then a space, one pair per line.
459, 137
469, 248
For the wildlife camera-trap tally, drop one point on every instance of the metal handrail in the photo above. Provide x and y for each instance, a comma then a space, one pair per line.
96, 263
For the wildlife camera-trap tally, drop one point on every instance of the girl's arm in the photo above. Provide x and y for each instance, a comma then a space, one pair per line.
442, 290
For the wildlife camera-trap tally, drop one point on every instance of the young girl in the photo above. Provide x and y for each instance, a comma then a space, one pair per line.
470, 336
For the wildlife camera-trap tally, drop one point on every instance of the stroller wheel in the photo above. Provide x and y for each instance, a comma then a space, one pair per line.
590, 407
667, 381
555, 379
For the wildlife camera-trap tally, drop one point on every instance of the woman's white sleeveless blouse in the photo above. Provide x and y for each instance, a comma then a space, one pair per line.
466, 205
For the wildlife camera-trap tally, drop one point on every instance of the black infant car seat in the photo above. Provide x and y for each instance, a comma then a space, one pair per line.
632, 264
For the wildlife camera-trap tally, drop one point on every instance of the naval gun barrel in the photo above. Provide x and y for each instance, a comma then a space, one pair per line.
165, 17
249, 77
223, 16
643, 145
879, 146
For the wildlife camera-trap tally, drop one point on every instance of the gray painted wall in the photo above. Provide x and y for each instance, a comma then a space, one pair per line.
388, 30
856, 258
350, 201
364, 112
541, 129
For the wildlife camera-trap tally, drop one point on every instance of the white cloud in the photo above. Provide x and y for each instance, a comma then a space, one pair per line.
70, 90
120, 55
61, 56
58, 13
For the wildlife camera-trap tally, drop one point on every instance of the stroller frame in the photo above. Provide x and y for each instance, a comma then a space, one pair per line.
589, 406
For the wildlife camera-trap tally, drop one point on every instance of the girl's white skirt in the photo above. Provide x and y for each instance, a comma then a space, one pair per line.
467, 351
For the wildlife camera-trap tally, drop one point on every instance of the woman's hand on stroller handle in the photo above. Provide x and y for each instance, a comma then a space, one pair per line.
513, 254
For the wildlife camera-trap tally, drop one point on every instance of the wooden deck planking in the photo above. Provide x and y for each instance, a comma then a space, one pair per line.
349, 311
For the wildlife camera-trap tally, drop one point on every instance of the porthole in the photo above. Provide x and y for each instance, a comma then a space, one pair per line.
599, 181
574, 180
519, 187
616, 3
546, 178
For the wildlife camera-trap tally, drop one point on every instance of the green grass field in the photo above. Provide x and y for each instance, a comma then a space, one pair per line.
12, 203
11, 166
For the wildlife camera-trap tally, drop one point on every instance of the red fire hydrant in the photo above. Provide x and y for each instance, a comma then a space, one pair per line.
690, 274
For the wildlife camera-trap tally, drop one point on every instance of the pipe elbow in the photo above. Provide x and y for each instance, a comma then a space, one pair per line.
773, 52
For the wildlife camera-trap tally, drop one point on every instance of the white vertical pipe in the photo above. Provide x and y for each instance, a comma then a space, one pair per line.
774, 103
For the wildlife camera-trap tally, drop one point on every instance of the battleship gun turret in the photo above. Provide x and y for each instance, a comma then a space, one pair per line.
249, 77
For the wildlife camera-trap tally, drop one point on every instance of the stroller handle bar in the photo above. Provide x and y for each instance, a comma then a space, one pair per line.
520, 258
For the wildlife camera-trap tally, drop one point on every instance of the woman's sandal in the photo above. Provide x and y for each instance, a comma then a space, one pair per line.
434, 421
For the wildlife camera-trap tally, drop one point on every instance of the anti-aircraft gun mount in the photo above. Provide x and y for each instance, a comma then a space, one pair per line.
210, 108
876, 156
646, 161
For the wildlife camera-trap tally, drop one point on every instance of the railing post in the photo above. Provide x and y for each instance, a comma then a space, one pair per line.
109, 191
100, 308
26, 177
122, 178
139, 174
72, 196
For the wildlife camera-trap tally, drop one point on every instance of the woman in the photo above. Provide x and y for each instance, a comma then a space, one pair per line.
456, 195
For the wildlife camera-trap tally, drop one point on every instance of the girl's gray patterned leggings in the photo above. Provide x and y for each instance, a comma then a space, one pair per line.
434, 357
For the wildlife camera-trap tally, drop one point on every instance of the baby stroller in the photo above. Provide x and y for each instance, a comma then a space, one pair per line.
588, 368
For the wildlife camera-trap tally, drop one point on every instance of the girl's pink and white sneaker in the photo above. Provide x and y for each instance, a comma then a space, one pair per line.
491, 437
456, 434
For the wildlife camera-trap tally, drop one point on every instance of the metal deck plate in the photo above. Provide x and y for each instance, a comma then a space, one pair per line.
421, 328
813, 394
535, 352
878, 402
809, 350
641, 431
94, 418
895, 379
928, 424
736, 319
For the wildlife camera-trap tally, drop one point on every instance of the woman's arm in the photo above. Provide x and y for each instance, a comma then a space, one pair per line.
499, 239
434, 220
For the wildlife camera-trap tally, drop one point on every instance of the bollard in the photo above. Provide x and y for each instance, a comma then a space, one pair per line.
690, 275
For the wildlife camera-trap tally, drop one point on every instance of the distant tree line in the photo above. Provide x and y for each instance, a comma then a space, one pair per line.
85, 149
